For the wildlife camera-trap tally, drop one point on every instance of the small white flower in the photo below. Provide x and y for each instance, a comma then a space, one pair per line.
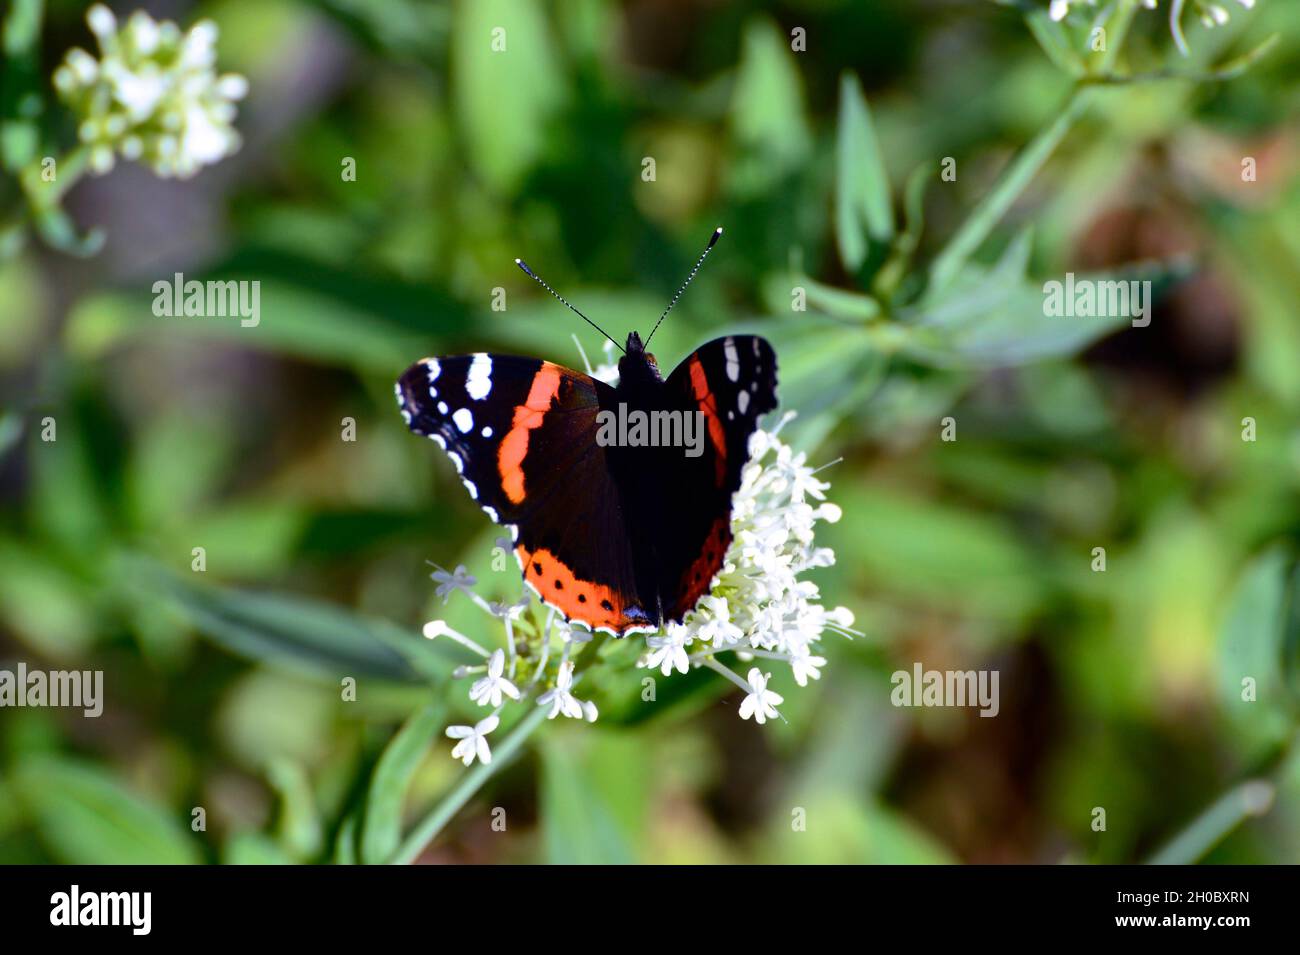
448, 583
669, 651
489, 689
804, 665
559, 698
761, 703
473, 740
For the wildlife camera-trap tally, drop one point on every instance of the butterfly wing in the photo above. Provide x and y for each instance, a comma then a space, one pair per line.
731, 382
522, 434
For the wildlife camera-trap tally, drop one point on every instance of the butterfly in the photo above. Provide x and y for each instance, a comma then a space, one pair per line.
614, 529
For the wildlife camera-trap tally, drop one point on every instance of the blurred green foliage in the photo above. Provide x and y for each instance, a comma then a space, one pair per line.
1121, 689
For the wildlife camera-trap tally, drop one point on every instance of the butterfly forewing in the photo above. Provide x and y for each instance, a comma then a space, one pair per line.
522, 434
731, 383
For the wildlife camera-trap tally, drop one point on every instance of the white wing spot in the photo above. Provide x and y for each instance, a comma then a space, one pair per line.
442, 407
487, 432
469, 486
742, 401
492, 515
455, 459
479, 382
733, 359
435, 369
464, 419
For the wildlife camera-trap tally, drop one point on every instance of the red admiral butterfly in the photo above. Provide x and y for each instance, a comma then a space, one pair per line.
616, 535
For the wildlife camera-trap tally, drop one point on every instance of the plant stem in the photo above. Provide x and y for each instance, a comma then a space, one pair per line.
1030, 159
1012, 183
448, 806
442, 813
1252, 798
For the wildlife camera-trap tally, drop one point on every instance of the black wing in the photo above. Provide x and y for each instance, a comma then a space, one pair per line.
732, 382
522, 434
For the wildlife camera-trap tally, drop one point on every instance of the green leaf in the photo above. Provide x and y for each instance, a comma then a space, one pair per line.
292, 320
951, 261
1254, 644
862, 204
996, 317
504, 98
20, 91
299, 824
382, 829
88, 818
303, 635
1054, 38
253, 848
768, 120
577, 824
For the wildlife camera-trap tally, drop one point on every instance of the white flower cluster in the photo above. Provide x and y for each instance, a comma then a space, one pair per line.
1212, 14
506, 674
758, 607
152, 95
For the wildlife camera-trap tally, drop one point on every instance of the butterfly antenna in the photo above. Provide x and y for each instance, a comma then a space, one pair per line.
717, 234
563, 301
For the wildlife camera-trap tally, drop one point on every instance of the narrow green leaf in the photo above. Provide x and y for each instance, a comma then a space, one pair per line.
862, 204
991, 318
469, 784
299, 826
768, 119
304, 635
577, 826
382, 829
1253, 646
1054, 39
1022, 169
505, 85
87, 817
1250, 799
253, 848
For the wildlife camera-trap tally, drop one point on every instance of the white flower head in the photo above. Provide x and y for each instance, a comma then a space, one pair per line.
668, 652
560, 698
152, 95
490, 689
760, 602
761, 703
473, 740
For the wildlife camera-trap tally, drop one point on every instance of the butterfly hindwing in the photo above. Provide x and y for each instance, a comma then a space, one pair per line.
731, 382
522, 434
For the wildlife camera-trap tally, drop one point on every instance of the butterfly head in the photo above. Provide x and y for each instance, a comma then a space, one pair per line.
637, 364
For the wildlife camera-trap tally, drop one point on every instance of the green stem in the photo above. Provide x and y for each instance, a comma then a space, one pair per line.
446, 809
1012, 183
42, 195
1030, 159
432, 824
1252, 798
